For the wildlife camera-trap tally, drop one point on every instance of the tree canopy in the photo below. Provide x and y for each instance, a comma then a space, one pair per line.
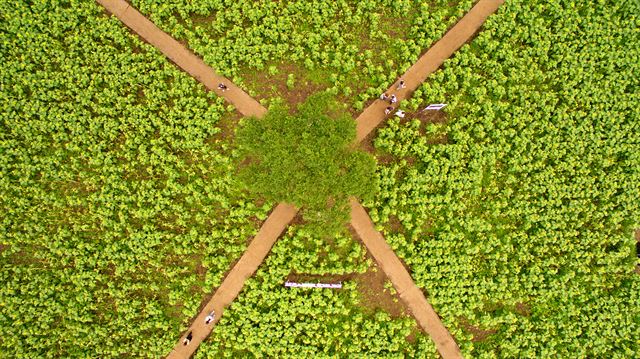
307, 158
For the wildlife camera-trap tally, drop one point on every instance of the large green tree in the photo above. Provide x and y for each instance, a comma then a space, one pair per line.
308, 158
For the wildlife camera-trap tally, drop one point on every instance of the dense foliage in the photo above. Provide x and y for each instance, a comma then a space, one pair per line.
268, 319
116, 211
306, 158
517, 215
357, 48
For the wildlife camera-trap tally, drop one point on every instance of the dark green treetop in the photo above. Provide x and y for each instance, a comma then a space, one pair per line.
307, 158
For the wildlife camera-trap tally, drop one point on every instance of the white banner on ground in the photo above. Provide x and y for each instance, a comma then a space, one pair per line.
312, 285
435, 106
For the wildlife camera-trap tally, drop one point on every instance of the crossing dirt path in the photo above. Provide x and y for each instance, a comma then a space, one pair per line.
271, 229
184, 58
283, 214
413, 297
430, 61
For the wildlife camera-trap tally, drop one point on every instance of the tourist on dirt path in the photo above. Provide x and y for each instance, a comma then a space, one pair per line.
393, 99
401, 85
187, 340
210, 318
400, 113
384, 97
222, 87
388, 110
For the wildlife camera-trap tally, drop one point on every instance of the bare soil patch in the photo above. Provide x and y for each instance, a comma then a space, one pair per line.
523, 309
374, 296
297, 220
394, 225
478, 333
427, 117
227, 124
268, 85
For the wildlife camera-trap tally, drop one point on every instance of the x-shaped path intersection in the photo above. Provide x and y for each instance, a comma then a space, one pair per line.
284, 213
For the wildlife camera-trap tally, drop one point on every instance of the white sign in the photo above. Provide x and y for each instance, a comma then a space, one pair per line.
435, 106
312, 285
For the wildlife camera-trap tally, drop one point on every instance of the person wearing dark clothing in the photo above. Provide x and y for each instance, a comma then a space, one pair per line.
188, 339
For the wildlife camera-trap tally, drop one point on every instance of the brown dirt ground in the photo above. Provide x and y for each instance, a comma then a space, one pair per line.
394, 225
427, 117
375, 296
267, 86
297, 220
227, 124
478, 333
523, 309
411, 338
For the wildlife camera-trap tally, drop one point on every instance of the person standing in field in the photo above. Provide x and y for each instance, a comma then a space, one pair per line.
388, 110
393, 99
384, 97
401, 85
222, 87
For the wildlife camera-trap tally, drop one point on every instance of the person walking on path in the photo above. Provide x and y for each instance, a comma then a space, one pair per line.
401, 85
210, 318
393, 99
388, 110
222, 87
188, 339
384, 97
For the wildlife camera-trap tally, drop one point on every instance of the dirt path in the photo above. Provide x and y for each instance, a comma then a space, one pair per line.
271, 229
182, 57
460, 33
413, 297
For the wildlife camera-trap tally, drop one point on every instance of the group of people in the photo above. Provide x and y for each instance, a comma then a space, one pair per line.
393, 100
207, 320
384, 97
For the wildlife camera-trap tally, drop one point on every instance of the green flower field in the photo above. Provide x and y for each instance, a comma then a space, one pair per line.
128, 190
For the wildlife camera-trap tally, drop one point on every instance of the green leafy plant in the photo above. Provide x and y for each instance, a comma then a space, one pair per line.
518, 213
